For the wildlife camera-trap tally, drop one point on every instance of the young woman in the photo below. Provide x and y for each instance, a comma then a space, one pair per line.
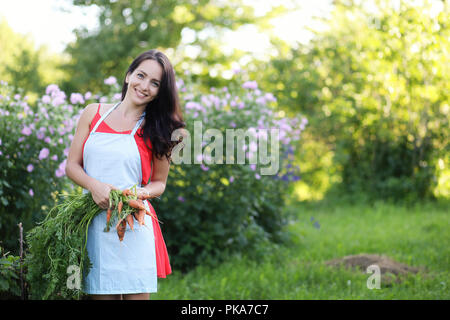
118, 146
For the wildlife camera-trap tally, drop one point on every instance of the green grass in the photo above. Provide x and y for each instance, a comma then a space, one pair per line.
417, 235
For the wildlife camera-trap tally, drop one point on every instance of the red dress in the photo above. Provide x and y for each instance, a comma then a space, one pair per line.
162, 256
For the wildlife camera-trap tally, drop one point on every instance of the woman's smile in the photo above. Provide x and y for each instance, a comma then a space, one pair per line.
140, 94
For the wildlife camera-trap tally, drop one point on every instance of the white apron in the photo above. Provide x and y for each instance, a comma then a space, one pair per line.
118, 267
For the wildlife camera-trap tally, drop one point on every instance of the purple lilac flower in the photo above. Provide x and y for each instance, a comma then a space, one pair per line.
61, 171
87, 95
180, 198
76, 98
257, 176
270, 97
57, 101
26, 131
54, 158
30, 168
51, 88
43, 153
250, 85
204, 168
110, 81
40, 135
46, 99
31, 193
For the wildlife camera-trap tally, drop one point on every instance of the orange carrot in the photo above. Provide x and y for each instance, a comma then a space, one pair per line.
130, 221
108, 217
136, 204
127, 192
121, 227
152, 215
119, 206
141, 216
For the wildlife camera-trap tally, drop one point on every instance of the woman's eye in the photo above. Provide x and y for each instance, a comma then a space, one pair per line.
140, 75
156, 84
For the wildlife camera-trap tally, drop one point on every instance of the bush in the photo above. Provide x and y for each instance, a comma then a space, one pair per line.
34, 144
9, 276
212, 208
207, 209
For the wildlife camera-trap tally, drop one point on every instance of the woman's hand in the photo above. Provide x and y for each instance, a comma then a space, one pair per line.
142, 192
100, 193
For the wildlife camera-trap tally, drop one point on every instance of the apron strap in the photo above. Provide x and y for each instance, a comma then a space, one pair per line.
103, 117
138, 124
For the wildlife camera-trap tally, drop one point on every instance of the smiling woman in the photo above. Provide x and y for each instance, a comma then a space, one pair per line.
132, 148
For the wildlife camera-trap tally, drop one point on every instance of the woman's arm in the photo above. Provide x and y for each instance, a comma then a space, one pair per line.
158, 184
74, 166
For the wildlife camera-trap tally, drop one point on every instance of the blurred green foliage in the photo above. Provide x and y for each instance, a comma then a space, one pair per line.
127, 28
375, 87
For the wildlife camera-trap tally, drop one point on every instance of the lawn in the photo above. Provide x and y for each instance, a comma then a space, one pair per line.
417, 235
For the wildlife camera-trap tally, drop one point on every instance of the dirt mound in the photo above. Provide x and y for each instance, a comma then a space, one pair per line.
390, 270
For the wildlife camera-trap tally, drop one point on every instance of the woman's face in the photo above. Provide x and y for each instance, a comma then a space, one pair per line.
144, 82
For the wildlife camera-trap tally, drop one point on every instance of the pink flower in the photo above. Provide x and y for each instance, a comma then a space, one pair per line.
76, 98
204, 168
257, 176
26, 131
54, 158
51, 88
30, 168
231, 179
110, 81
59, 100
180, 198
87, 95
31, 192
250, 85
269, 97
46, 99
61, 171
43, 153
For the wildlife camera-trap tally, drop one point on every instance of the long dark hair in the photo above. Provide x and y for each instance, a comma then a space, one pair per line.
162, 114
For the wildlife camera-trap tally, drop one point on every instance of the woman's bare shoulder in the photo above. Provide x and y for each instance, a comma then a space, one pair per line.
88, 113
105, 107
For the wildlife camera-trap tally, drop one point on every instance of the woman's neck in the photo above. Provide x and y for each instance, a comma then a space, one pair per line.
129, 110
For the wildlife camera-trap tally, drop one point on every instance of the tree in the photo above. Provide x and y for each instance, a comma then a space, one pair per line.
128, 28
375, 86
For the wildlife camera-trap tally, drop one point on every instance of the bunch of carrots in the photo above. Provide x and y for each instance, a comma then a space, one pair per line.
125, 207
